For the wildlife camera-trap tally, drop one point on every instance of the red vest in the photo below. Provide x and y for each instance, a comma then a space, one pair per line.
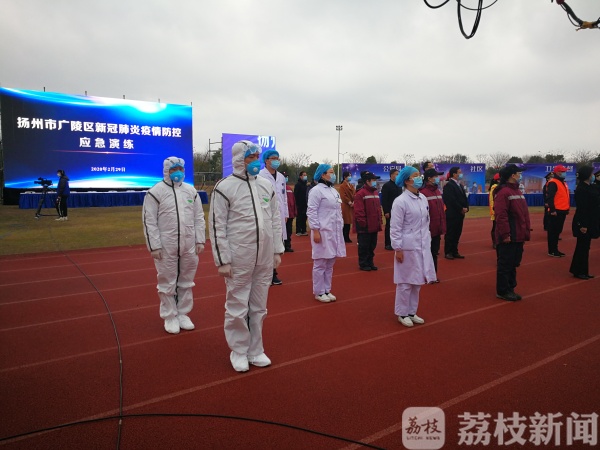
561, 199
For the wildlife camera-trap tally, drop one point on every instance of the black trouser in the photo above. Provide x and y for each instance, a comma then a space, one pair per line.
555, 227
493, 233
301, 222
454, 227
435, 249
346, 231
546, 218
61, 205
366, 248
508, 258
288, 229
388, 240
581, 257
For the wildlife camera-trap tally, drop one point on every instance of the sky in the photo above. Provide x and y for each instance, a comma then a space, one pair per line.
398, 76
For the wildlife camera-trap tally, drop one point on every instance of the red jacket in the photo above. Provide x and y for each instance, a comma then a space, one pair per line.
512, 214
367, 210
437, 217
291, 200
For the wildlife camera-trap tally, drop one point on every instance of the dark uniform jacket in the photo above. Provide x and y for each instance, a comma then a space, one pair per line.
455, 199
389, 192
587, 213
512, 214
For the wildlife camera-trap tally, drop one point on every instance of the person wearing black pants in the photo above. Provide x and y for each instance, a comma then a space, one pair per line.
585, 222
301, 197
367, 219
457, 206
513, 228
389, 192
557, 193
62, 195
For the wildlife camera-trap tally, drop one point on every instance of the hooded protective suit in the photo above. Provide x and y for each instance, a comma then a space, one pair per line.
279, 188
245, 232
174, 223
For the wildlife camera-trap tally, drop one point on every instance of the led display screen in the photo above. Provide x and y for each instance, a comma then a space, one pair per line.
99, 142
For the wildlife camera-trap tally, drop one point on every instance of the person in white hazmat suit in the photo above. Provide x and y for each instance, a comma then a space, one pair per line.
245, 234
175, 230
271, 160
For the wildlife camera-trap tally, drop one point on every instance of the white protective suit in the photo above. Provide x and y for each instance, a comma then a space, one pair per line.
174, 222
245, 232
279, 187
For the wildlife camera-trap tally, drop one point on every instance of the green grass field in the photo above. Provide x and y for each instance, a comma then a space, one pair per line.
21, 232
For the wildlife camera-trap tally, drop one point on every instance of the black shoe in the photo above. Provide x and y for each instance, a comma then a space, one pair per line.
561, 253
458, 256
582, 276
590, 276
555, 254
366, 269
517, 296
449, 256
374, 268
509, 297
289, 250
389, 247
276, 281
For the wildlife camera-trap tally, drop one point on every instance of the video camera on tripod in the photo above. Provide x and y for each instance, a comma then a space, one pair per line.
44, 183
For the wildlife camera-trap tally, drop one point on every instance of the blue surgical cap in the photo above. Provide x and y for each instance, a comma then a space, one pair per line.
269, 153
405, 175
251, 149
323, 168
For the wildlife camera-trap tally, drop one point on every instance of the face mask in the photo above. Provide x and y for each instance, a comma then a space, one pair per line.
254, 167
418, 182
58, 175
460, 176
304, 178
592, 179
348, 179
286, 179
436, 180
275, 163
373, 183
560, 175
332, 178
176, 176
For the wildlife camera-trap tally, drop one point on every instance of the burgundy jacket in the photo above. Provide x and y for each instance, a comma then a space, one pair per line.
437, 217
367, 210
512, 214
291, 202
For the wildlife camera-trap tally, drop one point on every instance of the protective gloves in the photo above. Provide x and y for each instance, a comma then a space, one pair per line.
199, 248
225, 271
157, 254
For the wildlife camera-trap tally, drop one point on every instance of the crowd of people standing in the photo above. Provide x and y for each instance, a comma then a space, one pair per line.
251, 225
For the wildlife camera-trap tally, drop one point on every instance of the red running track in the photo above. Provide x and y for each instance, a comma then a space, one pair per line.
346, 369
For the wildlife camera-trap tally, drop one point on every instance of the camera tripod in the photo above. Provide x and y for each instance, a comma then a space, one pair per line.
41, 203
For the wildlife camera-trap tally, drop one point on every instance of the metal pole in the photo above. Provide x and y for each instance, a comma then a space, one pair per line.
339, 130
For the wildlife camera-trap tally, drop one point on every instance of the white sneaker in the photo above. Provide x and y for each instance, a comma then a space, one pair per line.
185, 322
405, 321
261, 360
323, 298
239, 362
416, 319
60, 219
65, 218
172, 325
332, 297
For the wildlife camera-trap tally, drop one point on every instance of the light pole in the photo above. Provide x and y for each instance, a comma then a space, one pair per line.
339, 130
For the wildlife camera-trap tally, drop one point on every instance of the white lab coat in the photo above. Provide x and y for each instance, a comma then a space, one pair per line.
279, 187
409, 232
173, 221
324, 213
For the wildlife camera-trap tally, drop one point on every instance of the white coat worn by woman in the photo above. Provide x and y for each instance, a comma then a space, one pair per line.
324, 214
245, 234
411, 240
174, 228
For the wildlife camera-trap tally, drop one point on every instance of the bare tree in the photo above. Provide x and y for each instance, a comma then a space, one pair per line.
583, 157
382, 158
355, 158
498, 160
483, 158
409, 159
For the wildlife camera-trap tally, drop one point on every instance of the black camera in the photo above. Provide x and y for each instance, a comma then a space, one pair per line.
43, 181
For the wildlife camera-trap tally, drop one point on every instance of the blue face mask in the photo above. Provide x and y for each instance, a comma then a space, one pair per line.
436, 180
460, 176
254, 167
275, 163
348, 179
418, 182
286, 179
332, 178
373, 183
176, 176
304, 178
592, 179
